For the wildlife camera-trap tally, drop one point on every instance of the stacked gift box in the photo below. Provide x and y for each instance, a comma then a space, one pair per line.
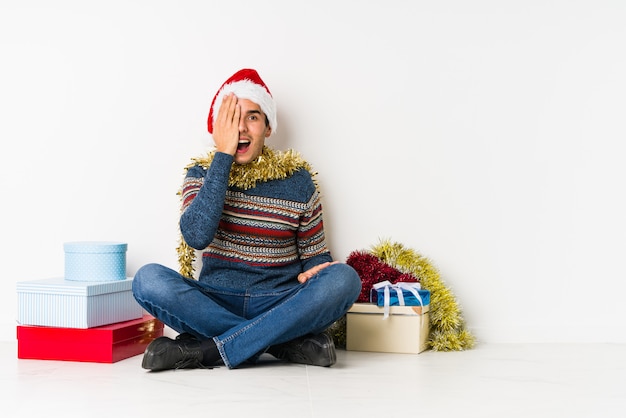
396, 320
88, 315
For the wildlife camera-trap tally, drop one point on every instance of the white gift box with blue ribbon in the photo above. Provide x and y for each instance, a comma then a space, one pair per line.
389, 328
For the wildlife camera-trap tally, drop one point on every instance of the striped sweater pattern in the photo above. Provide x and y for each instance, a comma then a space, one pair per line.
264, 231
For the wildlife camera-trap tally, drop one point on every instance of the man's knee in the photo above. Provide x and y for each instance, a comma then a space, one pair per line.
345, 280
145, 276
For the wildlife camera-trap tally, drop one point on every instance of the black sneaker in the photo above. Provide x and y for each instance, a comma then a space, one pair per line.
186, 336
164, 354
315, 350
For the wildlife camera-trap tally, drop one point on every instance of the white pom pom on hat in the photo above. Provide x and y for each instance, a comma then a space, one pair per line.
245, 84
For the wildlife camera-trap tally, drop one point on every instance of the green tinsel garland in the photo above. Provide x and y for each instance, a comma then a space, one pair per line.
448, 332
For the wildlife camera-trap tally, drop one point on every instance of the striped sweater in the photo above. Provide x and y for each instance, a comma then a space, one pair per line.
258, 238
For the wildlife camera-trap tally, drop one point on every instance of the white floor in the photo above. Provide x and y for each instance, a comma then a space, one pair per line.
488, 381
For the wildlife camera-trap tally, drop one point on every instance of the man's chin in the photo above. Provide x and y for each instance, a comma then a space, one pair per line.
246, 157
243, 159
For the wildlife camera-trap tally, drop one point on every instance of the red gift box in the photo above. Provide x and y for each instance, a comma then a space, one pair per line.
104, 344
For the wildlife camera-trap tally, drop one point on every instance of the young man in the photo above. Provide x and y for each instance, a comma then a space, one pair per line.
268, 282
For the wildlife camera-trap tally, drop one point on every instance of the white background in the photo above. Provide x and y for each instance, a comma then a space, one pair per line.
486, 135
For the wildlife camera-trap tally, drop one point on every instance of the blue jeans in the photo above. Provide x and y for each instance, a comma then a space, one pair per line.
245, 323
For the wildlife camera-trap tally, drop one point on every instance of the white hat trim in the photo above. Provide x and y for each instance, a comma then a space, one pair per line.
246, 89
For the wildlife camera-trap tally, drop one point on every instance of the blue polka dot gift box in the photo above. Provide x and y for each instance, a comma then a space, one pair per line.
95, 261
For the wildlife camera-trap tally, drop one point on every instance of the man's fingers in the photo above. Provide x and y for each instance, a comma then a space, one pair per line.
306, 275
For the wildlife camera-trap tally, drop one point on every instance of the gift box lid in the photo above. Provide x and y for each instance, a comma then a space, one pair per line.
95, 247
373, 309
60, 286
111, 333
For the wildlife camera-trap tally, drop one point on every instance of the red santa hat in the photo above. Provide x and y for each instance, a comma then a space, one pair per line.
246, 84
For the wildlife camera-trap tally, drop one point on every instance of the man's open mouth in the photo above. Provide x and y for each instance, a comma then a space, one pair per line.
243, 146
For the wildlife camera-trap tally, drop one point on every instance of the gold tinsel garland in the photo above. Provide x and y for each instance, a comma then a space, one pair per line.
448, 332
270, 165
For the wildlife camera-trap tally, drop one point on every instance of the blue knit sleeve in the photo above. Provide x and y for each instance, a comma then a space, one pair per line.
311, 239
203, 201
